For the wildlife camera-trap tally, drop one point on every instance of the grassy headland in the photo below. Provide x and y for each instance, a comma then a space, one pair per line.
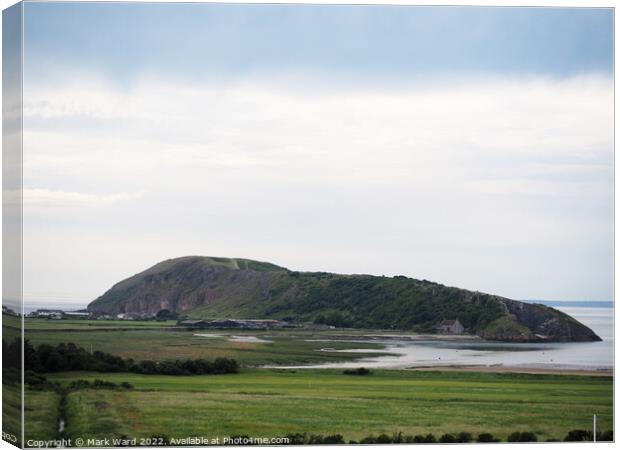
208, 287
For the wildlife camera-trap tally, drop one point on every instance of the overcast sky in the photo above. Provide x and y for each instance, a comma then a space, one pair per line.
468, 146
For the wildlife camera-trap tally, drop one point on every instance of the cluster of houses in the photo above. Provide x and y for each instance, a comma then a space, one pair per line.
443, 327
235, 323
135, 316
452, 327
59, 314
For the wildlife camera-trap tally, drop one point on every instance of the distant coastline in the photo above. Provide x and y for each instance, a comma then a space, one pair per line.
66, 305
573, 304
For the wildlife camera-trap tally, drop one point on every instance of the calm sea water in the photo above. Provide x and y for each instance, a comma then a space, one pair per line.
437, 352
65, 305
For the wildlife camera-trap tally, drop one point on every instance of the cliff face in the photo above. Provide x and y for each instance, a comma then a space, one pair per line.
184, 284
525, 322
204, 287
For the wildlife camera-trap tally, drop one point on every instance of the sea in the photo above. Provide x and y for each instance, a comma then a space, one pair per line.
435, 352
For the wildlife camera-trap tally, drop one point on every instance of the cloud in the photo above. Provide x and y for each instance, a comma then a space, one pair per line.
449, 180
50, 198
306, 131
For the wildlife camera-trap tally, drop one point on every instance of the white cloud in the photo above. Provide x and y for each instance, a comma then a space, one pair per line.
50, 198
431, 180
353, 133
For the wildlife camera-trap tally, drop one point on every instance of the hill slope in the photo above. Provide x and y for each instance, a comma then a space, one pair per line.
208, 287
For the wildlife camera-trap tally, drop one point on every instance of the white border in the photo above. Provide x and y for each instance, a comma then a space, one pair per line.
535, 3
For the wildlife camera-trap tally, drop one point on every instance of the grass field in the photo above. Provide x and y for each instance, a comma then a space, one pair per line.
272, 402
41, 410
11, 410
85, 325
141, 341
262, 402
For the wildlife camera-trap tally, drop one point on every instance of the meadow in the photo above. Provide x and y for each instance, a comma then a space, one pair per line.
277, 402
160, 341
263, 402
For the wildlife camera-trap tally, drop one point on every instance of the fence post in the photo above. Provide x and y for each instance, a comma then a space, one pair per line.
594, 428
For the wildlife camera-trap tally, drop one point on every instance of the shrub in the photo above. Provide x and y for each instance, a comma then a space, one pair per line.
79, 384
463, 437
447, 438
586, 435
487, 437
359, 371
527, 436
102, 384
578, 435
34, 379
333, 439
98, 384
315, 439
11, 376
430, 438
225, 365
522, 436
69, 357
296, 438
165, 314
605, 436
369, 440
384, 439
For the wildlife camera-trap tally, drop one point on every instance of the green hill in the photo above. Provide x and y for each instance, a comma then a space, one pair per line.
208, 287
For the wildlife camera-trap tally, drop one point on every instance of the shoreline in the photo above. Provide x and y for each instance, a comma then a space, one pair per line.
498, 368
589, 371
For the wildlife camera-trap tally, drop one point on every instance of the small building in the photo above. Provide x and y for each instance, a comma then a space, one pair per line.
450, 327
253, 324
130, 316
48, 313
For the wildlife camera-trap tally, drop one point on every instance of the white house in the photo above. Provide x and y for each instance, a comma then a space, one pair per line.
450, 327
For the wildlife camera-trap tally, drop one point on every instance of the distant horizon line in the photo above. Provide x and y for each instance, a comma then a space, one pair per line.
79, 304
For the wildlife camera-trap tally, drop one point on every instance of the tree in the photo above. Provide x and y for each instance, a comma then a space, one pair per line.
464, 437
447, 438
522, 436
487, 437
166, 314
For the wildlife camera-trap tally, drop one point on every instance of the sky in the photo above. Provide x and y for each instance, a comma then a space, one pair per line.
468, 146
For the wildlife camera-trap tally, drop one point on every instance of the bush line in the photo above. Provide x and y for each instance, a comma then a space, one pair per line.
69, 357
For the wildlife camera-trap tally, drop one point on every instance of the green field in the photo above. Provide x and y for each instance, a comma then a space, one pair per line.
86, 324
41, 410
261, 402
163, 341
275, 402
11, 410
